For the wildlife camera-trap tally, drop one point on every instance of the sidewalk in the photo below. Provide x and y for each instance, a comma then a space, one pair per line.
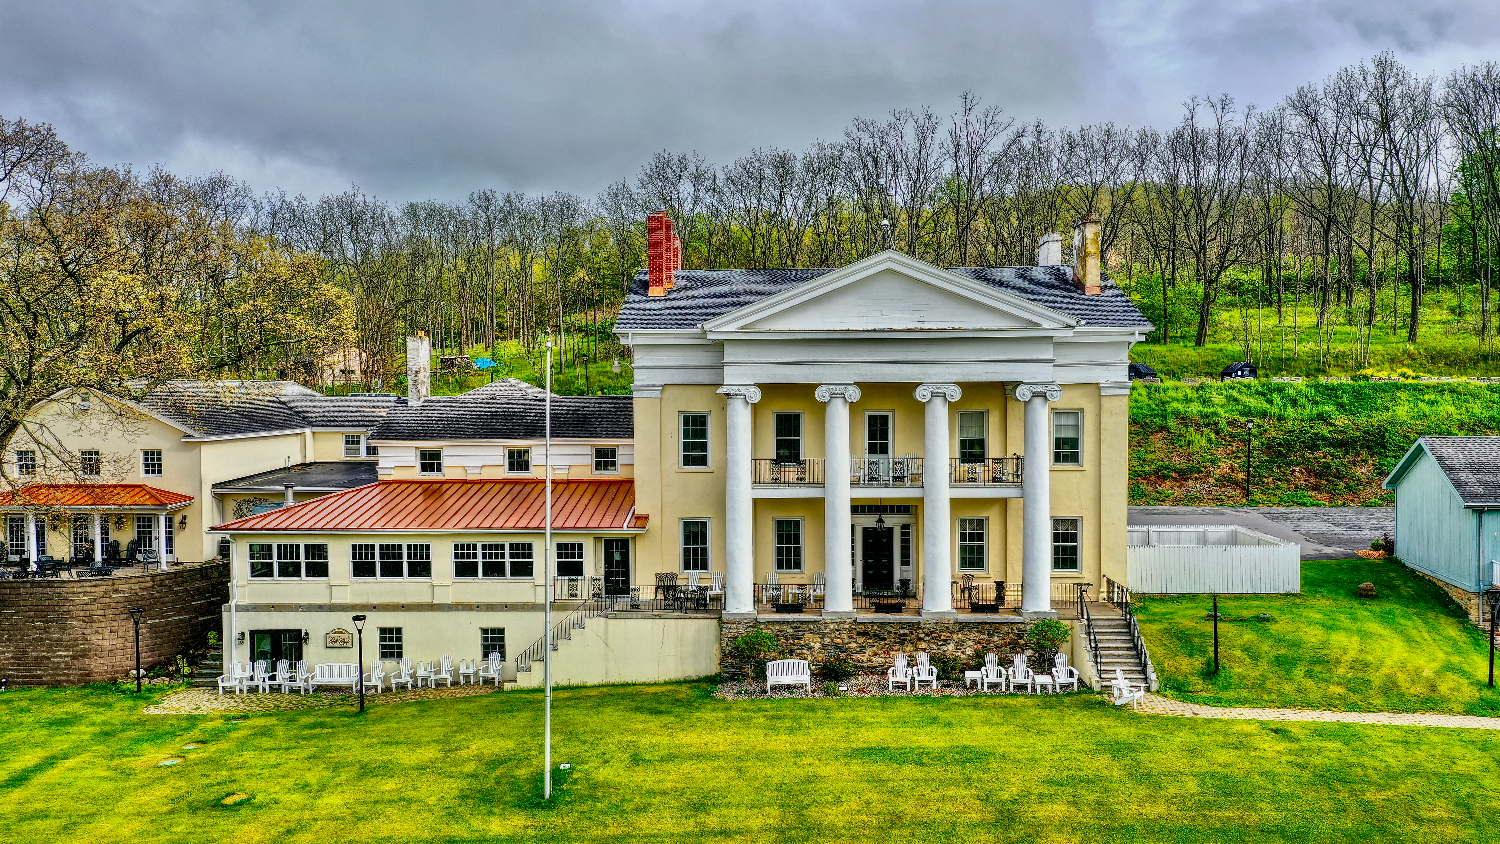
1158, 705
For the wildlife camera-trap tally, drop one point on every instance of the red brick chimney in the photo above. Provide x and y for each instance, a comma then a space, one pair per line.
663, 253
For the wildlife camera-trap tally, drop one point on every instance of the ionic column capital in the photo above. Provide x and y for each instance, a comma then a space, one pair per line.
926, 392
847, 392
1027, 392
748, 392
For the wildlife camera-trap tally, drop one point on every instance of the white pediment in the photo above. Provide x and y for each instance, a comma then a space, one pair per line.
891, 292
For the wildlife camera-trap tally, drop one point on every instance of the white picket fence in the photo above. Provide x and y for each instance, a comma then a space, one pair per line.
1203, 559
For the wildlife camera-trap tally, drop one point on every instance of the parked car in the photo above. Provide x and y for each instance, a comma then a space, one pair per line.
1142, 372
1239, 369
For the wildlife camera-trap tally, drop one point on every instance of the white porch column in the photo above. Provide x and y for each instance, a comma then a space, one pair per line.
937, 529
98, 538
739, 508
31, 540
1036, 497
838, 561
162, 526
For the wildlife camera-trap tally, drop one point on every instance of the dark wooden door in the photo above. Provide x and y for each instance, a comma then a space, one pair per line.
616, 567
271, 645
879, 558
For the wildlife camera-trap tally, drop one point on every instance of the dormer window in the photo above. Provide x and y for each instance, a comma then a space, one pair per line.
353, 445
518, 461
430, 461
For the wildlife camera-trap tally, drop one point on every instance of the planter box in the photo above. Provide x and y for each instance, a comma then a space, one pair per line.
892, 607
787, 609
988, 609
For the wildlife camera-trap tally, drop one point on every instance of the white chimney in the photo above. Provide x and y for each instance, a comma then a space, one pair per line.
418, 368
1049, 251
287, 498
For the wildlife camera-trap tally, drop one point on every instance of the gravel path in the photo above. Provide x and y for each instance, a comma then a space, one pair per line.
201, 701
1158, 705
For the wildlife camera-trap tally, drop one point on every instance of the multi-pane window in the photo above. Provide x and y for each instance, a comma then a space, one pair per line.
789, 545
354, 445
390, 643
430, 461
971, 542
491, 641
370, 449
606, 460
906, 546
695, 544
289, 560
169, 536
90, 463
694, 440
1065, 544
1067, 437
390, 559
518, 461
569, 559
83, 540
788, 437
877, 434
145, 532
15, 535
971, 439
151, 462
26, 462
493, 559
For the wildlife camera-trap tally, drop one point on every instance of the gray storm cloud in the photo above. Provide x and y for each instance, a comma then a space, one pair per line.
432, 100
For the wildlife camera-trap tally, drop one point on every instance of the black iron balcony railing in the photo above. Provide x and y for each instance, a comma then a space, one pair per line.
773, 472
993, 471
886, 471
981, 597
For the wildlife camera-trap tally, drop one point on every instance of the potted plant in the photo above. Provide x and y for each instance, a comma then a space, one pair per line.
788, 607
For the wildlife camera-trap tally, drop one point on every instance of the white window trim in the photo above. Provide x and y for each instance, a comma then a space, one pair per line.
708, 544
864, 434
161, 463
1079, 545
530, 463
958, 437
708, 440
984, 544
599, 471
583, 557
276, 573
801, 433
1052, 442
505, 558
404, 560
801, 545
442, 464
359, 446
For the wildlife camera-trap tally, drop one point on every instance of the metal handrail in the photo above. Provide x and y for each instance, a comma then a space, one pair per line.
773, 472
886, 471
1088, 623
1120, 597
992, 471
575, 620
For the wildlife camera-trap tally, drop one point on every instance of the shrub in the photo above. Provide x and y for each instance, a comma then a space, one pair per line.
1045, 637
755, 649
836, 669
949, 668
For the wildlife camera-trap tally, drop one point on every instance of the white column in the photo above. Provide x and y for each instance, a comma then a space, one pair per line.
1036, 498
98, 538
937, 528
161, 541
838, 561
739, 508
31, 540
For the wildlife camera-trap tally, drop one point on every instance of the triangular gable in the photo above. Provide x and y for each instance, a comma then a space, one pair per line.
891, 292
138, 408
1413, 456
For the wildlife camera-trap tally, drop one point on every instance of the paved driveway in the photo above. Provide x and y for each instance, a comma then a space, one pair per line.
1325, 533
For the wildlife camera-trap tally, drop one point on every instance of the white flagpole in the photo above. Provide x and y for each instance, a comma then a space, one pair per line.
547, 598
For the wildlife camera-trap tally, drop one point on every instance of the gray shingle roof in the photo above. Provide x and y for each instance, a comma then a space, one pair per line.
227, 408
701, 295
505, 410
320, 475
1472, 465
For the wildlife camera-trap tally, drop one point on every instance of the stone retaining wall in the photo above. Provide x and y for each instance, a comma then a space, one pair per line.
1469, 602
870, 647
69, 632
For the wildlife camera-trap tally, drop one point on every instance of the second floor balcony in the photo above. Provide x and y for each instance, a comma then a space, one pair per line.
907, 471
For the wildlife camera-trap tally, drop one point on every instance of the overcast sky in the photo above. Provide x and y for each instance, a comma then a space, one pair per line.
435, 99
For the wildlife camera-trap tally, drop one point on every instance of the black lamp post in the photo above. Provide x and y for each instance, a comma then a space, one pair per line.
586, 389
135, 616
359, 628
1249, 427
1216, 634
1493, 596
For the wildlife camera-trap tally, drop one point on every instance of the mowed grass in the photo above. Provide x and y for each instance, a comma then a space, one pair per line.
1410, 649
670, 763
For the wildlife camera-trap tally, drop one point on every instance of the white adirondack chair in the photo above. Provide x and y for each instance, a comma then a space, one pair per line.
695, 579
376, 677
788, 672
261, 679
1122, 691
468, 670
297, 677
403, 675
992, 674
924, 672
1022, 675
773, 588
282, 666
235, 679
898, 674
424, 672
492, 670
444, 672
1064, 674
819, 586
716, 584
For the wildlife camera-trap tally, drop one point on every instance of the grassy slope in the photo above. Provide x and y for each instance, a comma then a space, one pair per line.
1314, 442
668, 763
1408, 650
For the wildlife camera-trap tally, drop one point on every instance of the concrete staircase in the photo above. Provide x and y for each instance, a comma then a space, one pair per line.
1117, 649
206, 673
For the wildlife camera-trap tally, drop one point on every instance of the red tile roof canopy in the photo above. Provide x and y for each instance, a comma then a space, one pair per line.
91, 496
457, 505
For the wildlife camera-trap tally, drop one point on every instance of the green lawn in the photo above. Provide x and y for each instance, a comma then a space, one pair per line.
1409, 649
670, 763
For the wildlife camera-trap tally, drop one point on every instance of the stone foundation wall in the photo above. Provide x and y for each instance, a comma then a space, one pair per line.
69, 632
870, 647
1469, 601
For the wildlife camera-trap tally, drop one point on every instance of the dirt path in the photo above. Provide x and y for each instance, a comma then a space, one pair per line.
1158, 705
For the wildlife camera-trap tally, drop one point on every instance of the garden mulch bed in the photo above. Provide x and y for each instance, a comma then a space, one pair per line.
204, 701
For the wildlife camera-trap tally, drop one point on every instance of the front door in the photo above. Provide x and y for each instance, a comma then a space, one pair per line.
616, 567
878, 561
272, 645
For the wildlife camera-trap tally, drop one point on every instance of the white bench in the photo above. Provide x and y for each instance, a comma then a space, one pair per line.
337, 674
788, 672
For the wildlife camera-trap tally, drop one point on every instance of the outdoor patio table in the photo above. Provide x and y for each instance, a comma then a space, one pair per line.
1044, 680
972, 677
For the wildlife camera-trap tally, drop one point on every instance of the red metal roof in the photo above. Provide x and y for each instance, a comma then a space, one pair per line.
457, 505
92, 495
